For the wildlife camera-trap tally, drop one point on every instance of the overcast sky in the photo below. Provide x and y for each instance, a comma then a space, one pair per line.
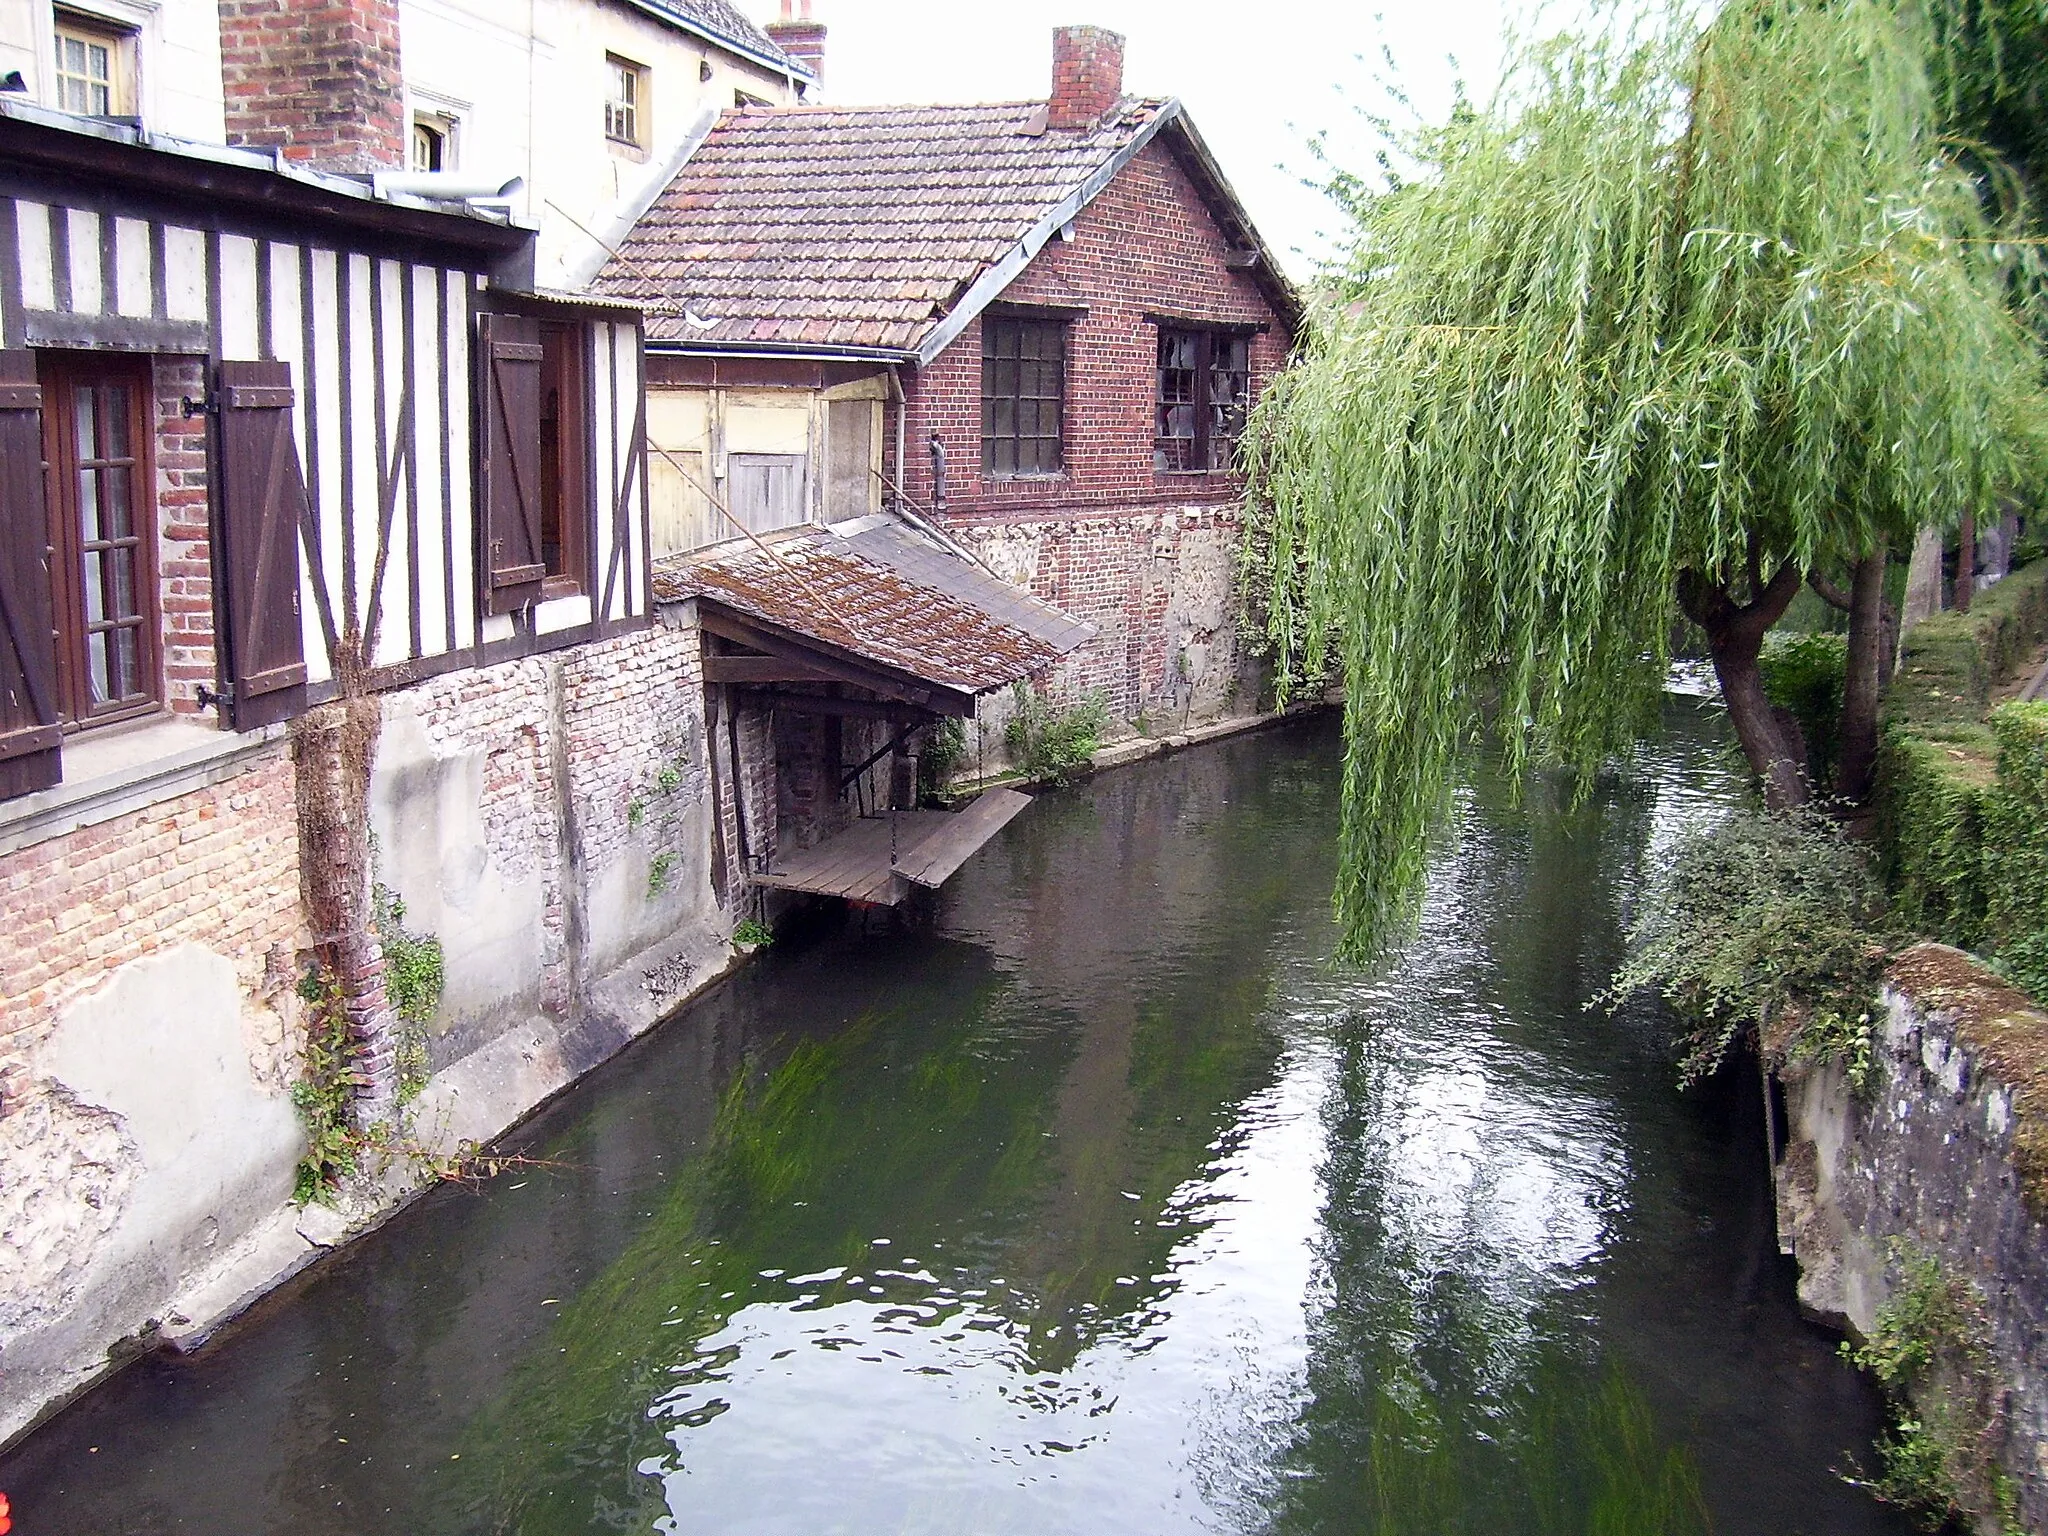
1257, 78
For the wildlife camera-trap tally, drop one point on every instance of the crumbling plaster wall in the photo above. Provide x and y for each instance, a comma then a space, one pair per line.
148, 1029
548, 820
1935, 1155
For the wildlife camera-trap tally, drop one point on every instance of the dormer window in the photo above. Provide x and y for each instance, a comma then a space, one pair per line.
433, 142
625, 106
95, 68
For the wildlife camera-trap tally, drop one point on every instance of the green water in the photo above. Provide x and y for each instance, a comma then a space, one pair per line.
1097, 1203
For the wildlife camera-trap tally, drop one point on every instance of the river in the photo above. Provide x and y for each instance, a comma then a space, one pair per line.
1100, 1203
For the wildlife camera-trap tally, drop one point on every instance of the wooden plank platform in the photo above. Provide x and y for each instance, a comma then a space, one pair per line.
929, 847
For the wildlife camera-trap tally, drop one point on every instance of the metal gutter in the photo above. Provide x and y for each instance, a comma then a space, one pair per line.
781, 63
885, 356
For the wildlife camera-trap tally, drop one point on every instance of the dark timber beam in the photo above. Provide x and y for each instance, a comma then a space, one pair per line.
762, 669
858, 709
838, 665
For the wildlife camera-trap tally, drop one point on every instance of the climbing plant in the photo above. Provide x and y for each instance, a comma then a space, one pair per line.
1687, 307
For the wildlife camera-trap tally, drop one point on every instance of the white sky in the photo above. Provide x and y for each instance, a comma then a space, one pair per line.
1258, 78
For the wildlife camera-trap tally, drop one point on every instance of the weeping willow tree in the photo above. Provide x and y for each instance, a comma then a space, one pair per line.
1690, 307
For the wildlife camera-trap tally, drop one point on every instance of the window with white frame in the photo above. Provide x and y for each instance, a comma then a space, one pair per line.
434, 145
95, 67
625, 106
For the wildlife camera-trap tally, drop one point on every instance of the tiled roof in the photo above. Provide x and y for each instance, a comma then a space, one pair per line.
851, 226
875, 588
722, 20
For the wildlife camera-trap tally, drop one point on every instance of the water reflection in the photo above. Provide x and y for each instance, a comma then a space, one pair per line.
1106, 1205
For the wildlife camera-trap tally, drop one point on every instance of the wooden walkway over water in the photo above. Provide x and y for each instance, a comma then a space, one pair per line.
879, 858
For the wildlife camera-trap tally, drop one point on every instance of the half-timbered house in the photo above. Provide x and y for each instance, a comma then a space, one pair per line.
325, 622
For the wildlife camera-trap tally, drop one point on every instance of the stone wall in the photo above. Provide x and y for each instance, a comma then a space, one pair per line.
1935, 1158
148, 1030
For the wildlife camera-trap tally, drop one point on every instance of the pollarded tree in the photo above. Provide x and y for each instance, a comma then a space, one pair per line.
1686, 310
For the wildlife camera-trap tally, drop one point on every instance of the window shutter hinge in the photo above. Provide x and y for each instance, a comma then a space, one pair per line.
200, 407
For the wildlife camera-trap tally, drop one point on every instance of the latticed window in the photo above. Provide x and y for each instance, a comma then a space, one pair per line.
1023, 395
92, 67
624, 100
1204, 393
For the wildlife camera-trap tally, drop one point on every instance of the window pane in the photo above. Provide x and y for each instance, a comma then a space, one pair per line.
95, 587
121, 602
1003, 457
82, 410
115, 403
91, 525
127, 663
117, 506
99, 684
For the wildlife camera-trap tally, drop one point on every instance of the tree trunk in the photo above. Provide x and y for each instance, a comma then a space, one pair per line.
1923, 582
1966, 562
1858, 736
1735, 639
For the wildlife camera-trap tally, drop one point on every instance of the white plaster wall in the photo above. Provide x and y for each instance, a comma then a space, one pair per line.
161, 1147
501, 66
427, 814
178, 82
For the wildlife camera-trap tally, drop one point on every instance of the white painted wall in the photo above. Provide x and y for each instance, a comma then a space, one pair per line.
177, 67
526, 83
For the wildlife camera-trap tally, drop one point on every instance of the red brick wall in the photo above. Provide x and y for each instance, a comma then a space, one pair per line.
1146, 245
1087, 75
184, 541
217, 866
318, 79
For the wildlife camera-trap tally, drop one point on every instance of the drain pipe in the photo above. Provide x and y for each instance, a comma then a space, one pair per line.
902, 432
938, 475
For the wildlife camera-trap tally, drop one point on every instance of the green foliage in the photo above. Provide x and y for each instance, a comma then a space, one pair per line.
658, 873
1963, 800
1806, 674
636, 812
1761, 922
1674, 299
1046, 741
945, 745
753, 934
1931, 1351
325, 1092
2016, 848
414, 968
669, 779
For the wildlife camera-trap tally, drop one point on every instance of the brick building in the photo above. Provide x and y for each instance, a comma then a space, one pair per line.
1035, 327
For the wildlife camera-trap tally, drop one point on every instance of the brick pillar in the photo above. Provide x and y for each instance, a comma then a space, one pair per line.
1087, 76
319, 80
800, 37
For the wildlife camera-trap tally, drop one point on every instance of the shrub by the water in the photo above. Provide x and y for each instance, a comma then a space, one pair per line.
1046, 741
1805, 674
1763, 921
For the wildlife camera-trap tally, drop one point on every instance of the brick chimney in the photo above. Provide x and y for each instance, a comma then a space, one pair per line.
800, 37
318, 79
1087, 76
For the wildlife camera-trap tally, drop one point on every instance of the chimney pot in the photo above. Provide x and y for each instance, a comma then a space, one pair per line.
1087, 75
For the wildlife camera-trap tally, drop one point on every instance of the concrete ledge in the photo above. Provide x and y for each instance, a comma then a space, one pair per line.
129, 769
1138, 749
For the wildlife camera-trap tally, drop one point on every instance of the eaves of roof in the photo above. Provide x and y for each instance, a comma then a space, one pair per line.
773, 57
105, 152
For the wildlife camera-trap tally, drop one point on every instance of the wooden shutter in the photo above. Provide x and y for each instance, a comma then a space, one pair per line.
31, 729
508, 479
262, 507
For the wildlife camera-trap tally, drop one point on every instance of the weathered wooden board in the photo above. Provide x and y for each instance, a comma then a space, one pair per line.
862, 863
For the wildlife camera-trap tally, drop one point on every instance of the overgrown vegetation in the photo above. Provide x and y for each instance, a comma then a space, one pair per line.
1767, 922
753, 934
1805, 674
945, 745
1931, 1351
325, 1092
1963, 788
1620, 344
659, 871
1046, 741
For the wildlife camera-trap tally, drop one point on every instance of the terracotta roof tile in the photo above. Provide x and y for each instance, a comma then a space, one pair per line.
863, 225
883, 592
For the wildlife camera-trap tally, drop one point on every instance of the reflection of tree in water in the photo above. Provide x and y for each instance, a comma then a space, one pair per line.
1474, 1151
998, 1108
